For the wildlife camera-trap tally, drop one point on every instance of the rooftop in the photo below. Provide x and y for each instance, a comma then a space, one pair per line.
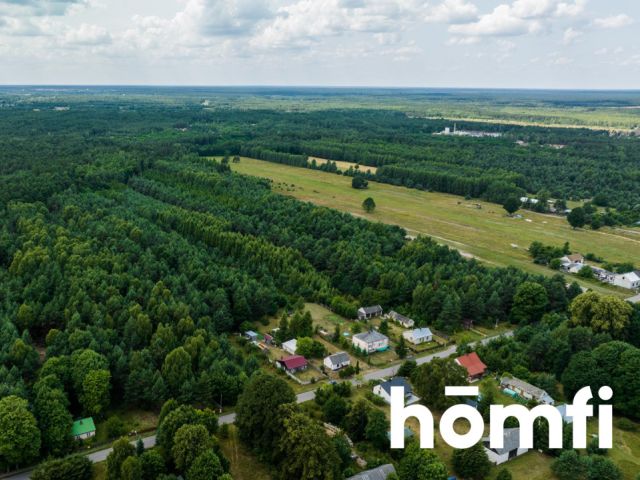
473, 364
380, 473
371, 309
524, 386
82, 426
396, 382
511, 441
338, 357
371, 336
421, 332
294, 361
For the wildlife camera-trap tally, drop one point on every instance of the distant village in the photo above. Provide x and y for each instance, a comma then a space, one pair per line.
468, 133
574, 263
373, 341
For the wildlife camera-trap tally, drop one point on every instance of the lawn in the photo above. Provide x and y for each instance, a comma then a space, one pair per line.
244, 466
133, 419
477, 229
100, 471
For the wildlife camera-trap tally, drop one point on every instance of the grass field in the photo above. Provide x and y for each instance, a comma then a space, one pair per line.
244, 466
478, 229
345, 165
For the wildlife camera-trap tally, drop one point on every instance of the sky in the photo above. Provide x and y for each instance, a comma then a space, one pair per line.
567, 44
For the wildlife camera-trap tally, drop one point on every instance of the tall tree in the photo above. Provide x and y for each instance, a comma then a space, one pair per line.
19, 434
310, 453
430, 380
472, 463
257, 412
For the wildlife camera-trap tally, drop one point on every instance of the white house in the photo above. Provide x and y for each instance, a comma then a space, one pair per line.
337, 361
526, 390
630, 280
418, 336
510, 449
406, 322
573, 258
290, 346
365, 313
371, 341
383, 390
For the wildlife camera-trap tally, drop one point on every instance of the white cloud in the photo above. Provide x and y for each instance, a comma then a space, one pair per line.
501, 22
307, 22
37, 7
571, 9
614, 21
87, 35
453, 11
570, 35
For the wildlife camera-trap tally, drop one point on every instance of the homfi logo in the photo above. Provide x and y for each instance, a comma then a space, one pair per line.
579, 411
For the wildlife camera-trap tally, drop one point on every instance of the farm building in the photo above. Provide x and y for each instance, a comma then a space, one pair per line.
337, 361
365, 313
475, 367
379, 473
290, 346
418, 336
525, 390
634, 299
573, 258
252, 336
510, 448
294, 363
630, 280
383, 390
83, 429
400, 319
370, 341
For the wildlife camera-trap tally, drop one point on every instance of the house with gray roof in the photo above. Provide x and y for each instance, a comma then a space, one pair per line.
526, 390
400, 319
371, 341
365, 313
510, 449
418, 336
337, 361
379, 473
383, 390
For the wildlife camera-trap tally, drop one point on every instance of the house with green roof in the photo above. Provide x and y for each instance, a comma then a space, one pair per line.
83, 428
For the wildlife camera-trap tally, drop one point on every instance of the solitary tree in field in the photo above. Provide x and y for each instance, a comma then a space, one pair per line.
369, 205
576, 217
359, 182
511, 205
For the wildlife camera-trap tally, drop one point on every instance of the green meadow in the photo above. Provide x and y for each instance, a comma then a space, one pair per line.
477, 229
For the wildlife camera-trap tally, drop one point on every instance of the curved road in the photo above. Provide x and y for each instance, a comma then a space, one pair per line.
149, 442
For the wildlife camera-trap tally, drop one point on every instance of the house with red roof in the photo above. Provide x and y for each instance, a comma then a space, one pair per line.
475, 368
292, 364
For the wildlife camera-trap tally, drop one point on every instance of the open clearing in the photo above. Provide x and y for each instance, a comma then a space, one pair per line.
476, 228
345, 165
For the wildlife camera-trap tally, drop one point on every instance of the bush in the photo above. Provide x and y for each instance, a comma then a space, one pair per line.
359, 182
115, 427
346, 372
74, 467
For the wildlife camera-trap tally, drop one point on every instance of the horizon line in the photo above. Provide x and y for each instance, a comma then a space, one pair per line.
337, 87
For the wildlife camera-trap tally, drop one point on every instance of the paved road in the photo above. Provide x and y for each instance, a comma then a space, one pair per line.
149, 442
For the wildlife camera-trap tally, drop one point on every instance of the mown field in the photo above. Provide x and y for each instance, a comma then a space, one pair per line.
476, 228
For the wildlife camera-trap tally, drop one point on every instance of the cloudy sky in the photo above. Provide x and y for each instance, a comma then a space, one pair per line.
437, 43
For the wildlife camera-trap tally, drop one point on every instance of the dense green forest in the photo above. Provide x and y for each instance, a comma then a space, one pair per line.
128, 257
